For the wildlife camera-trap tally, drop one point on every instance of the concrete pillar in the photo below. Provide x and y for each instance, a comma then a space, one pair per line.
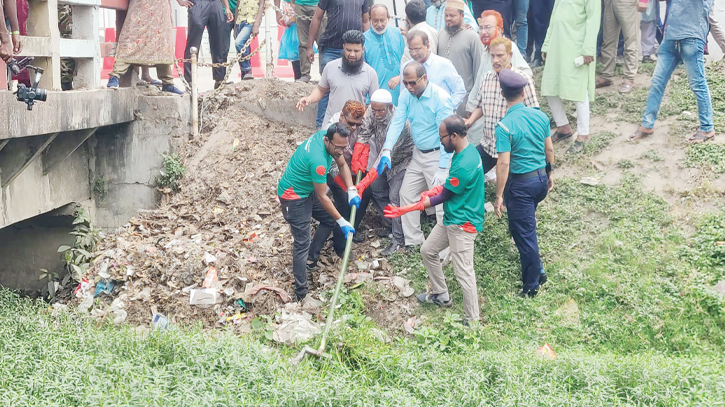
43, 22
86, 27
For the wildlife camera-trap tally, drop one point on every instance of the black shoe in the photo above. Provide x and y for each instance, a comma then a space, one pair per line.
311, 265
358, 238
437, 299
543, 278
530, 294
384, 232
390, 250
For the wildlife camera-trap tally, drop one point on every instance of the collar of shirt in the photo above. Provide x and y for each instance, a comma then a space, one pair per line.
515, 107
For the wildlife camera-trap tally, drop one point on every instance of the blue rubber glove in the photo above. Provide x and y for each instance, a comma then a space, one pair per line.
384, 162
346, 227
352, 197
440, 176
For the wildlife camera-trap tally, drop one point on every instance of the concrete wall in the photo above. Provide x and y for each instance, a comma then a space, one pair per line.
128, 157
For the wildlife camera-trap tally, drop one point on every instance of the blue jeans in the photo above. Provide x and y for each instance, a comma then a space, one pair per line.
521, 9
326, 56
522, 196
242, 32
690, 51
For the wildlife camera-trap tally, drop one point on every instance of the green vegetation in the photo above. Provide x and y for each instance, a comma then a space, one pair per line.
172, 172
78, 256
625, 164
707, 156
652, 155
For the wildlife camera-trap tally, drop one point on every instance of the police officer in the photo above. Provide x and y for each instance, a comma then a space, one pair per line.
523, 174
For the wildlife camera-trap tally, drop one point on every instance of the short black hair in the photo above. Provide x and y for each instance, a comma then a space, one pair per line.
415, 10
338, 128
419, 68
455, 124
353, 37
418, 34
511, 93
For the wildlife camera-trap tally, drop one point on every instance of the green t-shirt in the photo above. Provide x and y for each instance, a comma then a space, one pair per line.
465, 180
309, 164
306, 2
523, 133
233, 5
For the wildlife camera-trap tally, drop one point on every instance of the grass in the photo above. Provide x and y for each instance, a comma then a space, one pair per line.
706, 155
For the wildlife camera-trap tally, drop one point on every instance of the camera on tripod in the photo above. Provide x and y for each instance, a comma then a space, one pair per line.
28, 94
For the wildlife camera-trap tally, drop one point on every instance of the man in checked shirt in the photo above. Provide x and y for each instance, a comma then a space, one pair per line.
490, 103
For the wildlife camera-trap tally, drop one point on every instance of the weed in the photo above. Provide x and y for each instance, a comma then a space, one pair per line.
172, 172
78, 256
652, 155
706, 155
625, 164
100, 191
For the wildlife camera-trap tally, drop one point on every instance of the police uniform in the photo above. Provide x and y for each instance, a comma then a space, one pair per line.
523, 133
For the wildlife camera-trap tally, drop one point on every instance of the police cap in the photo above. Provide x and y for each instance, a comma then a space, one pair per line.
511, 81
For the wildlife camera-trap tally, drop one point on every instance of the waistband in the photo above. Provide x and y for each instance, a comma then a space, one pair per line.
535, 173
430, 151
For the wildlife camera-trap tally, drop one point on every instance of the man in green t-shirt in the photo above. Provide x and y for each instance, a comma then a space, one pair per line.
523, 174
462, 197
302, 192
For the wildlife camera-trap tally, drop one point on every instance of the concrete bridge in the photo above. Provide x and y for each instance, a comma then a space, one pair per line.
101, 149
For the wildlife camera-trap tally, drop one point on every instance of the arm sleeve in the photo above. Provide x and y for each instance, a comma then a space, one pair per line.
547, 39
444, 110
318, 171
471, 105
373, 82
519, 62
593, 10
398, 122
530, 99
455, 84
445, 195
323, 79
503, 140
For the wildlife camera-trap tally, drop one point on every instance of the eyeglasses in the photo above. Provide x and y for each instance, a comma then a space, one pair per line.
383, 110
411, 83
443, 136
339, 149
417, 49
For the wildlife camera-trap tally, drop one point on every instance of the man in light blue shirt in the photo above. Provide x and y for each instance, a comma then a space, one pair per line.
440, 71
686, 28
385, 50
435, 16
426, 105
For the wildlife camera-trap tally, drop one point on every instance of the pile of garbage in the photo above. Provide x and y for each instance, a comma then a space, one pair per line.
219, 252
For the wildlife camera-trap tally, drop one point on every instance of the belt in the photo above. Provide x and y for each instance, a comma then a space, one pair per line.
535, 173
430, 151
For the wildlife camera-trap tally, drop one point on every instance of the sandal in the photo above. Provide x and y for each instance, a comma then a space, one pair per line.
560, 136
701, 137
577, 147
626, 87
639, 134
602, 83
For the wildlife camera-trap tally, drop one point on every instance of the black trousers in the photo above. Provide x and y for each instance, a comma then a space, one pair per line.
505, 7
340, 198
208, 14
298, 213
487, 161
541, 13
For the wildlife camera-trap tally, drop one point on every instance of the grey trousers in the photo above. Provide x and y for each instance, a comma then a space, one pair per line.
648, 30
303, 32
418, 178
387, 191
461, 244
620, 16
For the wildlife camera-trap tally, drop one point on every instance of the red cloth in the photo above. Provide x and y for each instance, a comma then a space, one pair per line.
23, 13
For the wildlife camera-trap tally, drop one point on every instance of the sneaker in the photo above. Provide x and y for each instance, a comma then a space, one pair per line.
172, 89
441, 300
247, 76
112, 82
529, 294
304, 78
543, 278
390, 250
310, 265
649, 59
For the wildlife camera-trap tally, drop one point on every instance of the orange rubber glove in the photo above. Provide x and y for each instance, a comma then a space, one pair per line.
367, 180
395, 211
340, 182
436, 190
360, 155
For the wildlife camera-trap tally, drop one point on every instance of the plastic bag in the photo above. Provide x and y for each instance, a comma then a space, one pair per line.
289, 44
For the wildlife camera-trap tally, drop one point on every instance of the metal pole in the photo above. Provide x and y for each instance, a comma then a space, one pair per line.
268, 36
194, 93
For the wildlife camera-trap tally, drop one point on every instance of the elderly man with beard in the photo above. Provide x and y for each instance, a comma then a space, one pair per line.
435, 15
491, 105
439, 70
346, 78
491, 27
385, 189
302, 193
463, 207
425, 104
385, 50
461, 46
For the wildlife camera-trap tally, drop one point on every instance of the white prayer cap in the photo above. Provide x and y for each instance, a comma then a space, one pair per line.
382, 96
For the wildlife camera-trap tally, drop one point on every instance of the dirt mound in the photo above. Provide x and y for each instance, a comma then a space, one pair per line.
226, 216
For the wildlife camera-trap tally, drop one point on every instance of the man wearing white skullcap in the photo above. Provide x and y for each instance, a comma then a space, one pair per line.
386, 189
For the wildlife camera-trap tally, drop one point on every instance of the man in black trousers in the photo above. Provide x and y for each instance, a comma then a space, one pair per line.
541, 14
214, 15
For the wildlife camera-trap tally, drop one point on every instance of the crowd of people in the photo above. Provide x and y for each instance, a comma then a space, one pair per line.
423, 114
